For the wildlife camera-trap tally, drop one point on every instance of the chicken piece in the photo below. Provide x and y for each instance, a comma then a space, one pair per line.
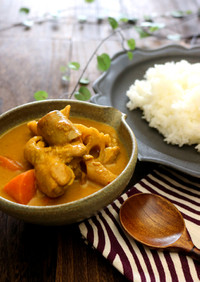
77, 165
53, 179
56, 129
33, 149
68, 152
98, 172
100, 145
53, 176
32, 126
66, 111
110, 154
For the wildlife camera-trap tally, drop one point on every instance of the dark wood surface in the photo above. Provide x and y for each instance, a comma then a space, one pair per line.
30, 60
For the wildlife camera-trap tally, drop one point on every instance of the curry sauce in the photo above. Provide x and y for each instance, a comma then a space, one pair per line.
12, 145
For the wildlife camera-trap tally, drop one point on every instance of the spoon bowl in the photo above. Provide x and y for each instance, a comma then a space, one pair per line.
155, 222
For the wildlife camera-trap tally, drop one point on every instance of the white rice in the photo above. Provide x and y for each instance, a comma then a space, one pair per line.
169, 97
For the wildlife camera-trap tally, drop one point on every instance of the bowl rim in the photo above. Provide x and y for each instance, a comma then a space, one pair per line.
79, 201
90, 104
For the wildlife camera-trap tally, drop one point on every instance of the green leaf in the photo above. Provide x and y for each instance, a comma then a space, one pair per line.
40, 95
125, 20
113, 22
24, 10
174, 37
130, 55
63, 68
132, 20
178, 14
74, 65
65, 78
89, 1
103, 62
148, 18
28, 23
142, 32
148, 24
153, 28
131, 43
84, 81
83, 94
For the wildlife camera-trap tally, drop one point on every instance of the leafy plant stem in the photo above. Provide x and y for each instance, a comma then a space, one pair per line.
90, 59
123, 38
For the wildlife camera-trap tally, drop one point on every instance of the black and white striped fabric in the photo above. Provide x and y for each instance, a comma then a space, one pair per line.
135, 261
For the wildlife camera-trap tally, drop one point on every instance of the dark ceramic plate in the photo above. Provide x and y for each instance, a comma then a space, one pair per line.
111, 90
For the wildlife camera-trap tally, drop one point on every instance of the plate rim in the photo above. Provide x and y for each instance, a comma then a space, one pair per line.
151, 51
100, 95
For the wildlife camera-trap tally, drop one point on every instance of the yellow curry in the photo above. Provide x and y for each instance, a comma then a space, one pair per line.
67, 158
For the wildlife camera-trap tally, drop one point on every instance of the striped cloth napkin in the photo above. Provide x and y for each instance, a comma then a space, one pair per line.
137, 262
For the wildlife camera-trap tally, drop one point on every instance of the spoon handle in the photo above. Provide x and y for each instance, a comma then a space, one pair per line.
195, 253
186, 244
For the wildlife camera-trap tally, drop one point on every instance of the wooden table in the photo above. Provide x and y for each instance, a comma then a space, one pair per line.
30, 60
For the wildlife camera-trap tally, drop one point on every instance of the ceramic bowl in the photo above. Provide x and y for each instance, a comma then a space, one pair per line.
79, 210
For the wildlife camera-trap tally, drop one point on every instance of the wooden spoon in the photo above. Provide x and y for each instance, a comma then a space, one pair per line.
157, 223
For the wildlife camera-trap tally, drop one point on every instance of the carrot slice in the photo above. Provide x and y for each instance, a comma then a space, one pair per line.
22, 188
10, 164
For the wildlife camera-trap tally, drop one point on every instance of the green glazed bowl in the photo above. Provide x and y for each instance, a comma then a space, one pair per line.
79, 210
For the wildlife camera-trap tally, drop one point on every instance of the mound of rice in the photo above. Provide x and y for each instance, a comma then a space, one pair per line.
169, 97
